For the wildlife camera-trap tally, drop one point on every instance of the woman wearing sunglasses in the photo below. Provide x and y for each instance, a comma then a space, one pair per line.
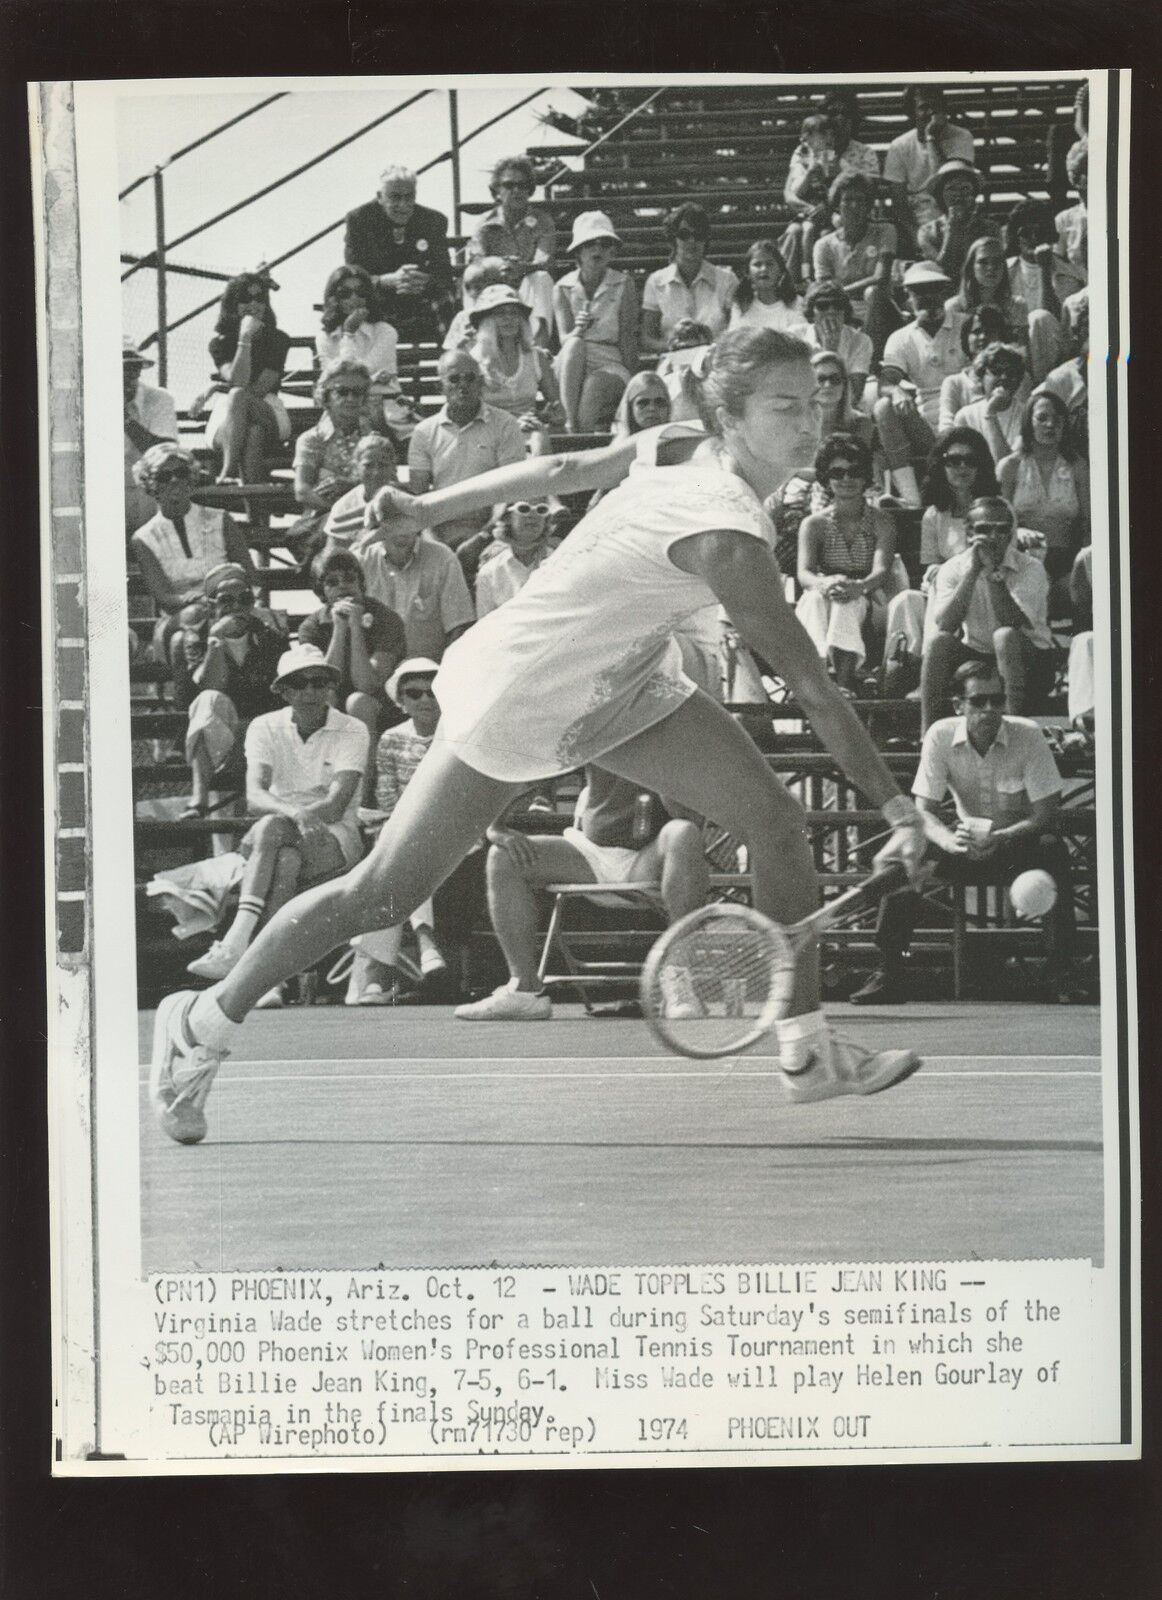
581, 667
524, 543
690, 289
854, 589
325, 466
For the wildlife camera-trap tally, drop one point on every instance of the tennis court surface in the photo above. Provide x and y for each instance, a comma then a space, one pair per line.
354, 1139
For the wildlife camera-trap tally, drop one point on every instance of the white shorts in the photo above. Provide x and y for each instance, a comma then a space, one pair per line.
609, 864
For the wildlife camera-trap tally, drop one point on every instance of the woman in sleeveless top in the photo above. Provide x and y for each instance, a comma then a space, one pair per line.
518, 376
581, 666
1047, 483
595, 307
853, 589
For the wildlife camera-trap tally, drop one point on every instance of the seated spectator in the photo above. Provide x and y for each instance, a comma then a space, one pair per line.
1029, 235
767, 297
831, 405
854, 593
374, 465
398, 754
518, 375
606, 847
982, 327
524, 542
225, 656
916, 361
1082, 692
809, 179
182, 541
478, 275
1001, 775
959, 222
361, 639
1046, 481
304, 765
1059, 140
420, 580
1070, 381
854, 254
354, 331
150, 418
1071, 252
524, 236
1005, 387
690, 288
985, 282
463, 439
247, 419
915, 157
325, 454
596, 313
989, 603
680, 367
960, 470
830, 326
645, 404
405, 249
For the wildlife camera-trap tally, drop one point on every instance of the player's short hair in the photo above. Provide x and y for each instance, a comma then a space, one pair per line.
734, 366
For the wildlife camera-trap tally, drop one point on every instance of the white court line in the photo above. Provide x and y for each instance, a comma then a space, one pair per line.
380, 1061
589, 1077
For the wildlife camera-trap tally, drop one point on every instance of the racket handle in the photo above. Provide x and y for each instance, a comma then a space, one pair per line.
883, 882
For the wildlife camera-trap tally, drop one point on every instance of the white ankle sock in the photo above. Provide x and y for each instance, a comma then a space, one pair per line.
798, 1038
245, 924
209, 1024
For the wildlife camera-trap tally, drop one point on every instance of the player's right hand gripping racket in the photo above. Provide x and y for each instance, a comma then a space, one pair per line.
720, 977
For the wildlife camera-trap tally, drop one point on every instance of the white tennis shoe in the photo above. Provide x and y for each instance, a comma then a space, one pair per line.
507, 1004
840, 1066
216, 964
680, 1002
181, 1071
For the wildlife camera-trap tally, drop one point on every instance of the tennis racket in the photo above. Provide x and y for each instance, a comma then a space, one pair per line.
720, 977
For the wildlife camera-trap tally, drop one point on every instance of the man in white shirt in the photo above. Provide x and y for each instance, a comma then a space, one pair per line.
304, 766
1005, 785
150, 418
990, 603
916, 361
916, 156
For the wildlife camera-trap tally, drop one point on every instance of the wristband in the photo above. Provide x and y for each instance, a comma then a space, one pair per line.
900, 812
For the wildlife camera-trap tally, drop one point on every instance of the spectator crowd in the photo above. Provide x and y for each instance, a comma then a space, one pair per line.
935, 541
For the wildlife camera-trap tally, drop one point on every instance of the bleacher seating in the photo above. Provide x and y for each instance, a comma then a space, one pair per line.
727, 148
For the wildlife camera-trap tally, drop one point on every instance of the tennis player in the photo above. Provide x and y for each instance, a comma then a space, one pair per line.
581, 667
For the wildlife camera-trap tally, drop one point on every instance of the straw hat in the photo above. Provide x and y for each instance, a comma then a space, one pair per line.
494, 298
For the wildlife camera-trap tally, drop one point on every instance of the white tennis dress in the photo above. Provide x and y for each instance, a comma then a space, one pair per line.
583, 658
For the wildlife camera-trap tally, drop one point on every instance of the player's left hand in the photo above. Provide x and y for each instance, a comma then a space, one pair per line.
905, 847
393, 510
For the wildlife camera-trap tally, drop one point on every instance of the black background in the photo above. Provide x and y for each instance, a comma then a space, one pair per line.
981, 1533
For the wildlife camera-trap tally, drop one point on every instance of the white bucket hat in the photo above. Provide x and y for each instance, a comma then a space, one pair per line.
588, 226
413, 667
302, 658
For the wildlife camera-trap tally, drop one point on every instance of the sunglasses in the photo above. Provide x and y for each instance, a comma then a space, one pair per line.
234, 597
831, 379
959, 461
525, 508
342, 392
176, 475
418, 691
980, 701
309, 680
846, 472
519, 187
989, 527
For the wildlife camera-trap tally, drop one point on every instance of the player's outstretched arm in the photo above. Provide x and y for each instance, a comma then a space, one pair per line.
575, 472
745, 577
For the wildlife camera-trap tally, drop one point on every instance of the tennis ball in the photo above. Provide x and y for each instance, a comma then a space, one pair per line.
1033, 893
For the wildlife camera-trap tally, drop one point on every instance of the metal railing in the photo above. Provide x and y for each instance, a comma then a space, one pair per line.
158, 259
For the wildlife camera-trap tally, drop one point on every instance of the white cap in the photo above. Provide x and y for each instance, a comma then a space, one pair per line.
302, 658
413, 667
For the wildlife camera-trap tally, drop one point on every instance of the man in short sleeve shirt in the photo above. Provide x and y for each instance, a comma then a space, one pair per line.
1001, 776
915, 157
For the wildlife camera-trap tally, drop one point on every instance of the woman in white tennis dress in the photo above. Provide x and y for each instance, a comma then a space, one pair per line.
579, 667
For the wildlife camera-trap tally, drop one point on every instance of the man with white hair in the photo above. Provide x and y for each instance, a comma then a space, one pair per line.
405, 248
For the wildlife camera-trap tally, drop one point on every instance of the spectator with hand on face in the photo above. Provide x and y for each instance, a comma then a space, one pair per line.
478, 275
597, 320
914, 158
225, 656
524, 237
916, 361
150, 418
989, 603
355, 330
361, 638
247, 419
831, 326
690, 289
1028, 237
809, 178
404, 247
980, 328
985, 282
1005, 387
1046, 481
945, 238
